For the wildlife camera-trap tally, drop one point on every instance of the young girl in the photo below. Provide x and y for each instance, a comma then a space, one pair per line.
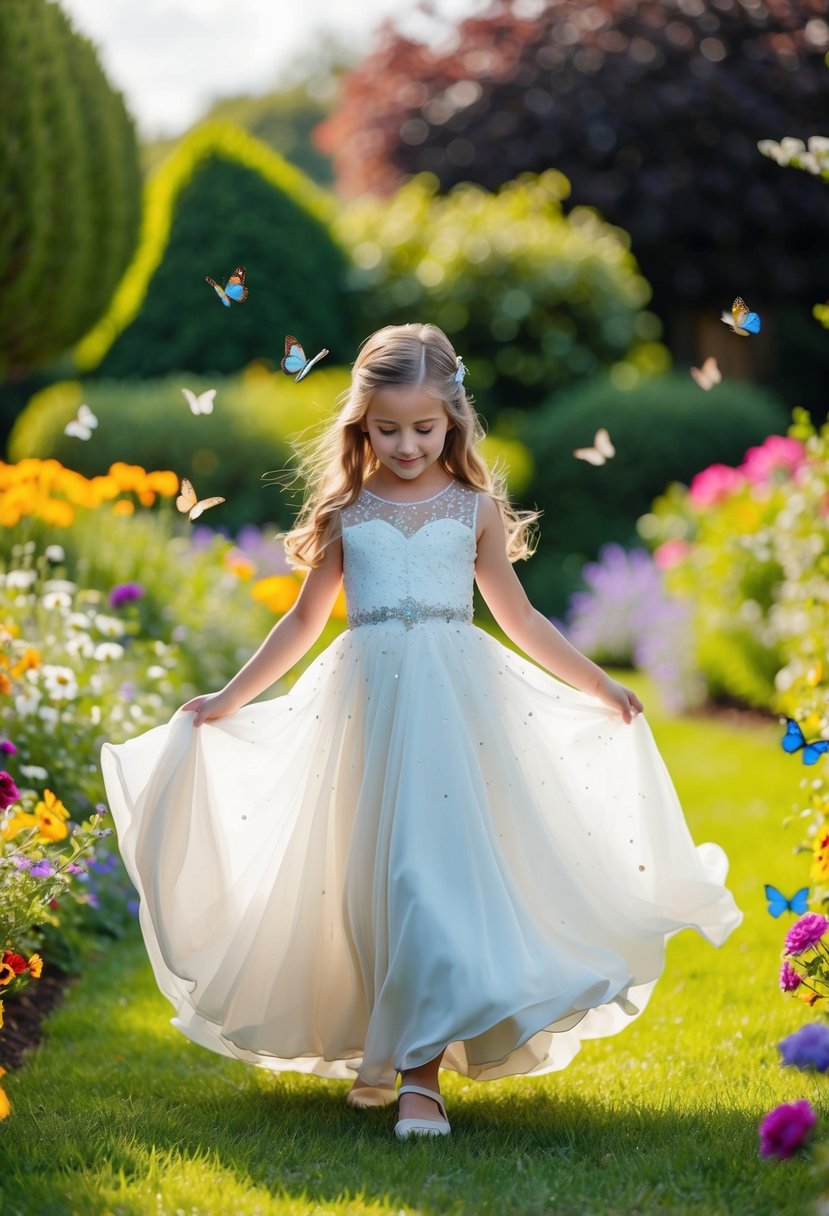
430, 852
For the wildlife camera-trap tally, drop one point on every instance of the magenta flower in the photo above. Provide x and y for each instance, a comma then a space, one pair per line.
790, 979
777, 452
805, 932
9, 793
783, 1130
7, 747
125, 593
714, 484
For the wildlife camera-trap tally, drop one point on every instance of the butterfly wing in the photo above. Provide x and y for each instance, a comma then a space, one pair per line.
294, 359
777, 900
794, 738
187, 498
235, 286
752, 323
591, 455
220, 291
77, 430
200, 507
739, 311
603, 444
708, 375
206, 400
86, 417
814, 749
799, 902
310, 363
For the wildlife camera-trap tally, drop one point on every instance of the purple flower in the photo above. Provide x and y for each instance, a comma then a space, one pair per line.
790, 979
7, 747
42, 869
806, 932
72, 868
9, 793
132, 907
783, 1130
125, 593
807, 1047
23, 863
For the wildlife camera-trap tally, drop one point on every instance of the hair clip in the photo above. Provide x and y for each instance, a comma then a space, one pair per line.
461, 372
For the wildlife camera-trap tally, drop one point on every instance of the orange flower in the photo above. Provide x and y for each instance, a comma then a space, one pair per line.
2, 1008
240, 565
5, 1104
28, 661
35, 966
5, 684
278, 593
123, 507
50, 816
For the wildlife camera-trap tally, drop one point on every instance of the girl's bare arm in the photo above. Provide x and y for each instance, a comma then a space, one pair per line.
528, 628
291, 637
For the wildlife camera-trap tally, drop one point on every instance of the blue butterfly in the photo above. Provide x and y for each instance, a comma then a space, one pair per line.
742, 320
234, 289
794, 740
295, 360
778, 904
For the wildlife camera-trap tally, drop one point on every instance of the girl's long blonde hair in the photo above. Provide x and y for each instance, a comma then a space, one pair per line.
337, 463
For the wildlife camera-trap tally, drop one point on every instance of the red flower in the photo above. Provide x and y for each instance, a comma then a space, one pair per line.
15, 961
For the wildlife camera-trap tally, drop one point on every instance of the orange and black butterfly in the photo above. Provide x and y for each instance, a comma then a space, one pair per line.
234, 289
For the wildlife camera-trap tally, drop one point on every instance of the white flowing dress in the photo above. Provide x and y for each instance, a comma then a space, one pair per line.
429, 842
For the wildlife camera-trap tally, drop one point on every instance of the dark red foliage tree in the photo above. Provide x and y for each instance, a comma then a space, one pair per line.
652, 108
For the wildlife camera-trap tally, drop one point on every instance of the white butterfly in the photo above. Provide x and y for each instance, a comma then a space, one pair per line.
601, 451
201, 404
188, 501
82, 425
708, 375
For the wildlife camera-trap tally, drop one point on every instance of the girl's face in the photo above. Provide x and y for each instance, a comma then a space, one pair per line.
407, 429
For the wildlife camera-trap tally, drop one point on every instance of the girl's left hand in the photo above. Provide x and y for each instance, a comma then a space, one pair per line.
618, 697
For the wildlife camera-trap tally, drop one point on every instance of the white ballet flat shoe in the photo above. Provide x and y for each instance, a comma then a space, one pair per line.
422, 1127
370, 1095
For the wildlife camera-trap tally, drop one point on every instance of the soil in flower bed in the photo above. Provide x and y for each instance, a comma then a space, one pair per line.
25, 1010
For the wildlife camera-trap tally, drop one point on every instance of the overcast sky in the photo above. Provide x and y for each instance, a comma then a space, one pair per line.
170, 58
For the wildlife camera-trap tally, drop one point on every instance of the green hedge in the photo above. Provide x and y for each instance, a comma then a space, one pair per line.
665, 430
222, 200
532, 298
70, 185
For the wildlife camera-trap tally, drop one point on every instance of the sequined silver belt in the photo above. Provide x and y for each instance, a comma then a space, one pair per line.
411, 612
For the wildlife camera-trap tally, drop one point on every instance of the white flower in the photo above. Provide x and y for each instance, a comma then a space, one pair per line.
108, 650
33, 772
109, 626
95, 715
59, 682
79, 645
20, 578
26, 705
78, 620
54, 553
156, 673
56, 599
49, 715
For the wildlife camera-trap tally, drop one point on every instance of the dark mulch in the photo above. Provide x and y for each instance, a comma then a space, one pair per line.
25, 1010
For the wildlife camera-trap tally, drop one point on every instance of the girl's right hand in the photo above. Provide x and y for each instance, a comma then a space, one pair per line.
210, 706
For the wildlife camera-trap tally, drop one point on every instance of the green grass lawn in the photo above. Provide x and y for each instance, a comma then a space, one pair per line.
118, 1114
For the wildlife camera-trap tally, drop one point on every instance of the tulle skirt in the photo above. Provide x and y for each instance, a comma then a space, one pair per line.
429, 843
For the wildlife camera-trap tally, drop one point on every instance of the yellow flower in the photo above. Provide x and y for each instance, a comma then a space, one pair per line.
278, 593
35, 967
7, 974
339, 611
239, 564
18, 823
2, 1011
50, 816
28, 661
820, 856
123, 507
5, 1104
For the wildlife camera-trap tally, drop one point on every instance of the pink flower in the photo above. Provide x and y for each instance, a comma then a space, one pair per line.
714, 484
9, 793
777, 452
783, 1130
790, 979
671, 553
805, 932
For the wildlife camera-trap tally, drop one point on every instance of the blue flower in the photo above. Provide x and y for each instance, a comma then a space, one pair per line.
807, 1047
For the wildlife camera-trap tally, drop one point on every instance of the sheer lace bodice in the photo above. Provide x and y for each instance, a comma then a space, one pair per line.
410, 561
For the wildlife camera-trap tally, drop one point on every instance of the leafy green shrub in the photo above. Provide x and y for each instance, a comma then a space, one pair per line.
666, 429
222, 200
225, 452
531, 297
71, 185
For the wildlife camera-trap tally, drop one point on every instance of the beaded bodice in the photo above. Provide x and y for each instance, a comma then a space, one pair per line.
410, 561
